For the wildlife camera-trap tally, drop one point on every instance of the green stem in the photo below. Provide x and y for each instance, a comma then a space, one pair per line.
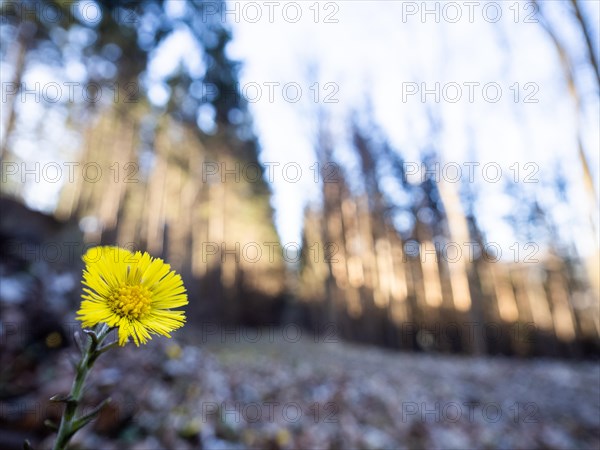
68, 423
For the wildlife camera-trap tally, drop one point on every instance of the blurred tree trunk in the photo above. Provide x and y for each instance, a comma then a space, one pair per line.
587, 34
593, 264
25, 35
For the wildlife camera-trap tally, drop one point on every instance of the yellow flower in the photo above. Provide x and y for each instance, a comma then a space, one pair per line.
131, 291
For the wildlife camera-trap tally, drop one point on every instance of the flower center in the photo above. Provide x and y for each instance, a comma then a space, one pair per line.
132, 302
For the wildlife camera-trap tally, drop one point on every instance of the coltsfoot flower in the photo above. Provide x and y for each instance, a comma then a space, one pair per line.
131, 291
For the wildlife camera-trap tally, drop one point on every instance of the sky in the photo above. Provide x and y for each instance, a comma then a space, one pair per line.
389, 52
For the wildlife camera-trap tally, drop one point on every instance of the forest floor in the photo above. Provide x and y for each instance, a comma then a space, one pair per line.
237, 390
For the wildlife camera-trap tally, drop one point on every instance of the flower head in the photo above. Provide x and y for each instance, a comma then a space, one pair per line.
131, 291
